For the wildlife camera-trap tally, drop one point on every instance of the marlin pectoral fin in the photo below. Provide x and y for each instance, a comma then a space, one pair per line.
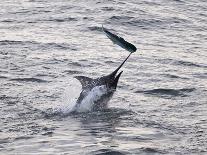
83, 80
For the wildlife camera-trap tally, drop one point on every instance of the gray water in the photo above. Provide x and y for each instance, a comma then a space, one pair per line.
160, 104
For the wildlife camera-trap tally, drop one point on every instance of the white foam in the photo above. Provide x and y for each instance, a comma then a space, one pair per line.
94, 95
69, 97
71, 94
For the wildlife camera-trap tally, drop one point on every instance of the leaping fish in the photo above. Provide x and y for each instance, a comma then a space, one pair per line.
97, 92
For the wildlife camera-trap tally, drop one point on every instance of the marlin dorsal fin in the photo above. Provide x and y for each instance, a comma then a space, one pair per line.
83, 80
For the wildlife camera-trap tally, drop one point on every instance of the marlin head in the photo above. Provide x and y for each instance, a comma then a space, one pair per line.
112, 79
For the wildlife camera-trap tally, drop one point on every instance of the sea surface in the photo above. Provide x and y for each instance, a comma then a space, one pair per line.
160, 106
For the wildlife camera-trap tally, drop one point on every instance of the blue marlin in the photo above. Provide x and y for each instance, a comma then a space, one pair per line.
97, 92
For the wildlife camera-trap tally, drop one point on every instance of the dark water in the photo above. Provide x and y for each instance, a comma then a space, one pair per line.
160, 105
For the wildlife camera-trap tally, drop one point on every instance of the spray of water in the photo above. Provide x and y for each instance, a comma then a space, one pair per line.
71, 94
92, 96
69, 98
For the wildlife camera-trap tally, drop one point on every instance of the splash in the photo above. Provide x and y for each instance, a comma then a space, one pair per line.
68, 98
94, 95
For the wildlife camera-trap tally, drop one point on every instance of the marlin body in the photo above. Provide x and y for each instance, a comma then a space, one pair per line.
97, 92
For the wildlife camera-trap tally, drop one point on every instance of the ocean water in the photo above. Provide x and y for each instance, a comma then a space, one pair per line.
160, 106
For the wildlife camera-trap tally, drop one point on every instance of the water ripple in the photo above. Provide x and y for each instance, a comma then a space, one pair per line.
108, 152
45, 43
29, 80
38, 45
171, 92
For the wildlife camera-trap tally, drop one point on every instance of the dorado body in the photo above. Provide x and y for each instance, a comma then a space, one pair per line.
119, 41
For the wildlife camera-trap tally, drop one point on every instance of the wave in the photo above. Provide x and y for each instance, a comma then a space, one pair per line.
200, 75
187, 63
10, 42
72, 72
68, 19
173, 76
95, 28
147, 23
38, 45
124, 18
149, 150
170, 92
50, 19
3, 77
157, 22
181, 63
29, 80
23, 138
8, 21
180, 1
108, 152
4, 97
107, 8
